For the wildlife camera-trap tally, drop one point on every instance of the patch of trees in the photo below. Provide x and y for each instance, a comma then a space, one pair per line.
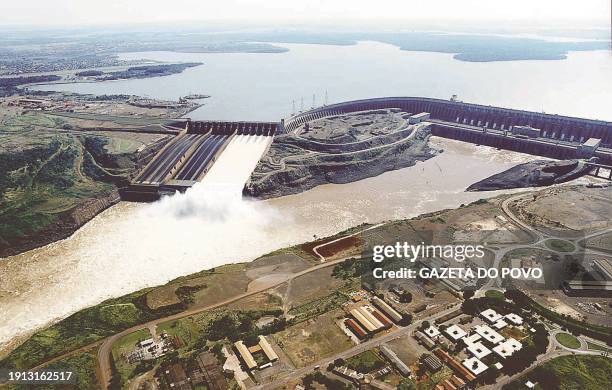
186, 294
59, 170
236, 326
89, 73
27, 160
351, 268
148, 71
12, 82
523, 358
576, 327
327, 382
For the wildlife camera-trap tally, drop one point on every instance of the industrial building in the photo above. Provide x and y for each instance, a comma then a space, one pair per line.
425, 340
526, 131
418, 118
356, 329
390, 312
397, 362
267, 349
245, 354
592, 288
588, 147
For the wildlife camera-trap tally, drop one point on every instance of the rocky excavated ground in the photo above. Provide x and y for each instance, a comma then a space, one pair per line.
537, 173
339, 149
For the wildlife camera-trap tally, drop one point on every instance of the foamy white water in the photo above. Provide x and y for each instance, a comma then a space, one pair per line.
134, 245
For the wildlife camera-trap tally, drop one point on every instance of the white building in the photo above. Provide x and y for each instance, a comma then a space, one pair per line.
489, 334
455, 332
490, 315
432, 331
475, 366
472, 339
514, 318
500, 324
478, 350
507, 348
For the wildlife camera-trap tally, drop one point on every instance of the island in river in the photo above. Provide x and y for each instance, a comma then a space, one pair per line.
339, 149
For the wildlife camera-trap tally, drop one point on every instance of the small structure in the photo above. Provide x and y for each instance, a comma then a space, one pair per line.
507, 348
349, 374
500, 324
475, 366
246, 356
432, 363
418, 118
457, 381
426, 341
397, 362
455, 332
432, 331
588, 148
478, 350
490, 315
176, 377
514, 318
213, 375
472, 339
267, 348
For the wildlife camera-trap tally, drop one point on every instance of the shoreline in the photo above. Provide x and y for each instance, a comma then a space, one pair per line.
65, 226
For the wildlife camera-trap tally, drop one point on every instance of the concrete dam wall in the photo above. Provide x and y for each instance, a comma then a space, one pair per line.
552, 126
187, 159
232, 128
559, 136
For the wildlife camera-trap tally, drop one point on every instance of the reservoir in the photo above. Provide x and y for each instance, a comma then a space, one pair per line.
263, 86
131, 246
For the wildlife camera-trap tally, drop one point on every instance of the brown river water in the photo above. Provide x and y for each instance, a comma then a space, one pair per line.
135, 245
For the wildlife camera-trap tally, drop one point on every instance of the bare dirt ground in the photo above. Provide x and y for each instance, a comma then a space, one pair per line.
575, 210
354, 127
313, 340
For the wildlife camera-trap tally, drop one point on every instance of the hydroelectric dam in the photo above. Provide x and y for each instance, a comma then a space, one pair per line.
186, 159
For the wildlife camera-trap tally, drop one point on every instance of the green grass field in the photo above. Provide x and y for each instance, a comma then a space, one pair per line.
567, 340
581, 372
495, 294
365, 362
560, 245
597, 347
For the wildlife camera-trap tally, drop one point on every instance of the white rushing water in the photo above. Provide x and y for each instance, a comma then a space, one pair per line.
134, 245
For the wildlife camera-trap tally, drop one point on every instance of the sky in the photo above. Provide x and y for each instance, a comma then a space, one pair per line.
100, 12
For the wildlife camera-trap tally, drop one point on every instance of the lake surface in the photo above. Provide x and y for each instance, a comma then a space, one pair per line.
262, 86
131, 245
